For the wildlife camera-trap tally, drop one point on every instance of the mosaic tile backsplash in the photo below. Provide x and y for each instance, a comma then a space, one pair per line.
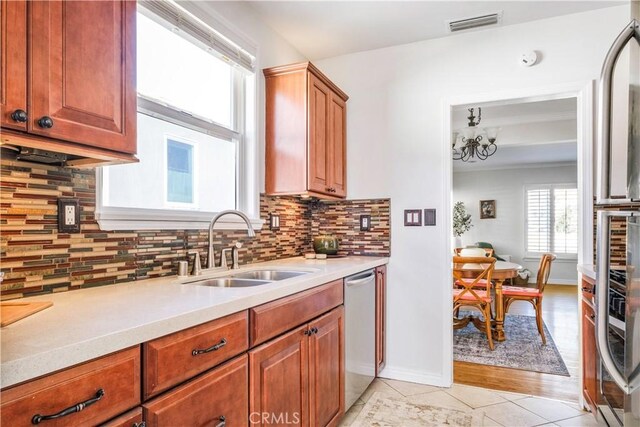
37, 259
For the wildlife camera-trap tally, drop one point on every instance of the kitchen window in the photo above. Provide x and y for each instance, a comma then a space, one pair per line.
196, 139
552, 220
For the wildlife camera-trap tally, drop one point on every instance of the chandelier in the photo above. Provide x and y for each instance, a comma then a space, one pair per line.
474, 145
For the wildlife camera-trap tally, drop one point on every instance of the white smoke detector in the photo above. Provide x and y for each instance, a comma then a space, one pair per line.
527, 59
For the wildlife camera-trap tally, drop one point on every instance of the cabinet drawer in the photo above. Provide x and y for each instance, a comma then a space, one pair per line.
221, 395
117, 375
274, 318
132, 418
177, 357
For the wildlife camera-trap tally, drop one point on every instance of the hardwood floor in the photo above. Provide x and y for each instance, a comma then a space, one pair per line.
560, 314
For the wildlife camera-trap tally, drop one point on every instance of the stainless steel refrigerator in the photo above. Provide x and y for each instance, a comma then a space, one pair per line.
618, 237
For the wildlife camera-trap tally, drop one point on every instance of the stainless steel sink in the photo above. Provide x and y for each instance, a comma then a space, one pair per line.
229, 282
270, 275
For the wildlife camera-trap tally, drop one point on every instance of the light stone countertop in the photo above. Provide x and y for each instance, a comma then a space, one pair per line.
587, 270
89, 323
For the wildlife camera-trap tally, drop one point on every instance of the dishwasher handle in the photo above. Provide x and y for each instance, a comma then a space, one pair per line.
360, 281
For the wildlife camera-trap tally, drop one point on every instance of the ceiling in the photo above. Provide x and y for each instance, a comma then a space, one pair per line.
323, 29
532, 134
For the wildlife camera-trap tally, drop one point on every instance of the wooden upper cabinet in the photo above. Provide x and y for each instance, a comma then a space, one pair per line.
82, 74
305, 133
69, 78
13, 61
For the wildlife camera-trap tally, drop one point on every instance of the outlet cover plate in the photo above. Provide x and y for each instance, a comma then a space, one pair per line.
365, 222
68, 215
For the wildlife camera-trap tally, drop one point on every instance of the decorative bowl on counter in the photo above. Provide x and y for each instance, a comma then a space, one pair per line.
325, 244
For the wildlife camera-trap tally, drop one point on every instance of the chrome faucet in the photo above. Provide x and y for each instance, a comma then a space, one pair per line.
250, 232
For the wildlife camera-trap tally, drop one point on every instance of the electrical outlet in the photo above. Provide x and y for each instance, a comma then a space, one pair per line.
68, 215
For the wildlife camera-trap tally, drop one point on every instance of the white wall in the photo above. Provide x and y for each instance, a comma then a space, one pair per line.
396, 146
507, 231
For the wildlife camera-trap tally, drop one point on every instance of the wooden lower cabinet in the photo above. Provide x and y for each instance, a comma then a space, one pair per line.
326, 369
381, 317
279, 380
132, 418
216, 398
107, 386
298, 378
590, 359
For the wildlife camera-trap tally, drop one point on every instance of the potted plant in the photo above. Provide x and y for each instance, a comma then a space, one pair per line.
461, 222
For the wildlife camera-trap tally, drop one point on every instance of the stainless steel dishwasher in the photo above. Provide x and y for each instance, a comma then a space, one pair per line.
360, 326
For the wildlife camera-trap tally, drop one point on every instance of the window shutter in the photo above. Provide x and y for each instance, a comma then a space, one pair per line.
184, 21
565, 214
539, 220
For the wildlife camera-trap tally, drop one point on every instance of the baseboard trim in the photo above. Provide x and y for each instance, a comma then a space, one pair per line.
408, 375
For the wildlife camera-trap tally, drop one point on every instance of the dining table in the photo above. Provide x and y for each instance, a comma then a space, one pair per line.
502, 271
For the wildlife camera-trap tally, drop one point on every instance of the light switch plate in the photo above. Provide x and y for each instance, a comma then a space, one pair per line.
412, 217
365, 222
68, 215
274, 222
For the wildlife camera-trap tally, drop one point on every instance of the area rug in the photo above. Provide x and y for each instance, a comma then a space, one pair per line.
384, 410
522, 349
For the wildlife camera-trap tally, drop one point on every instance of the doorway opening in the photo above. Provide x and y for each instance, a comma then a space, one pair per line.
524, 200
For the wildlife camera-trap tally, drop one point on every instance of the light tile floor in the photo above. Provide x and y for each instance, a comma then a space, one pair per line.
500, 409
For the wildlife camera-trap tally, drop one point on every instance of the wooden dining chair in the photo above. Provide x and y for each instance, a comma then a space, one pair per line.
531, 295
473, 291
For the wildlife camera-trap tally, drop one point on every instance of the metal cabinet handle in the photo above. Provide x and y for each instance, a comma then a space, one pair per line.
19, 116
37, 419
140, 424
45, 122
214, 347
223, 421
603, 190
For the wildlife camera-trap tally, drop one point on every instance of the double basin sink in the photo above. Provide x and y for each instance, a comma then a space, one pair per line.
246, 279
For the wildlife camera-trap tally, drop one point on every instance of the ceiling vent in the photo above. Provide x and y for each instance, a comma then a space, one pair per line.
477, 21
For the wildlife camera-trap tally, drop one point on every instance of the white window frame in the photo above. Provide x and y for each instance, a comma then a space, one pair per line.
560, 257
243, 134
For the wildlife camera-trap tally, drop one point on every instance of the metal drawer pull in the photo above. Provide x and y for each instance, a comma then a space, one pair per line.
37, 419
223, 421
215, 347
140, 424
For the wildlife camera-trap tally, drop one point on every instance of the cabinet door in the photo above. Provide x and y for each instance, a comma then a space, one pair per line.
13, 61
381, 314
337, 147
590, 356
82, 72
326, 368
319, 105
279, 381
216, 398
